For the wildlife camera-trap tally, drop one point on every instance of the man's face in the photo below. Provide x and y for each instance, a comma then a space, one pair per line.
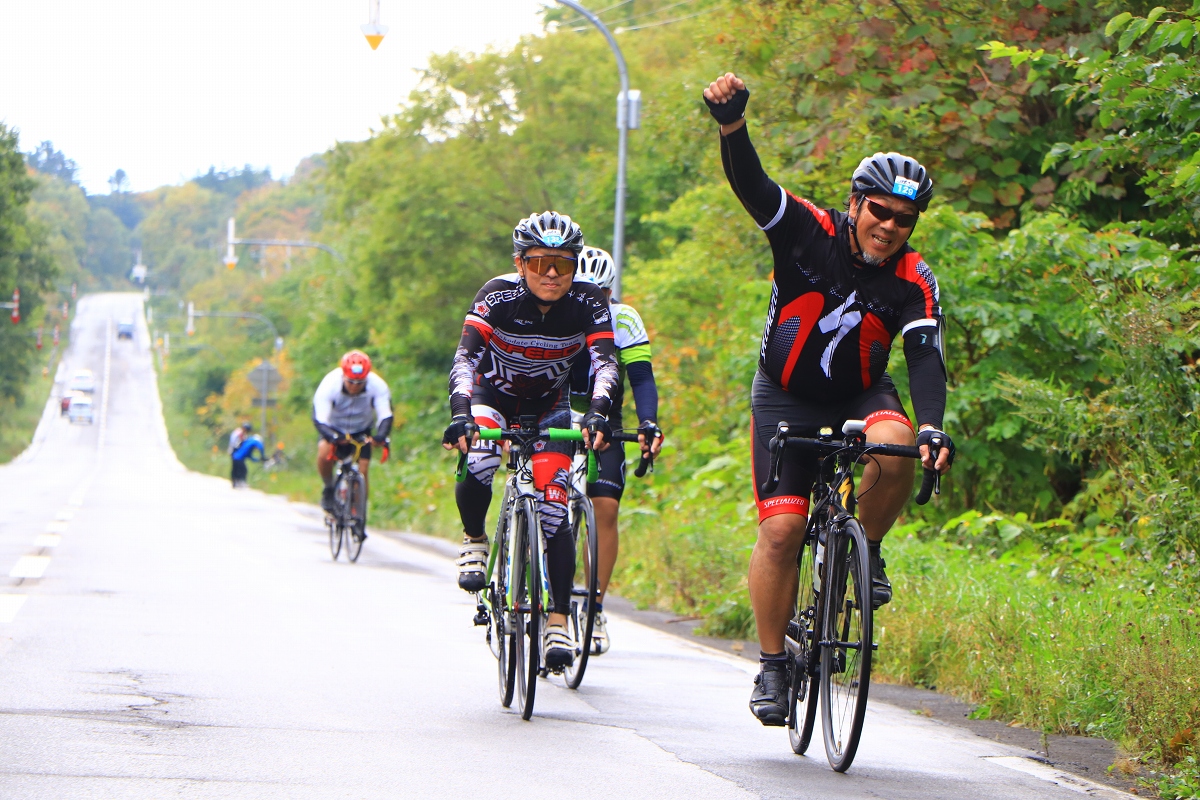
880, 239
354, 387
551, 286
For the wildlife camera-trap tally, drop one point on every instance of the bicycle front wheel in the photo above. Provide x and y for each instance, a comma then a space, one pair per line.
335, 537
527, 634
805, 687
847, 643
356, 508
583, 618
500, 634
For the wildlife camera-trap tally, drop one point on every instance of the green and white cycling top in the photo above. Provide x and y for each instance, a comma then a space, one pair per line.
633, 347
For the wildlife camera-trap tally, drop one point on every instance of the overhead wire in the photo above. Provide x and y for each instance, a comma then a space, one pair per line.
668, 21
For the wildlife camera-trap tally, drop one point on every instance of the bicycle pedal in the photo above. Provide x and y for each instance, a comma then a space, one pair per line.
481, 619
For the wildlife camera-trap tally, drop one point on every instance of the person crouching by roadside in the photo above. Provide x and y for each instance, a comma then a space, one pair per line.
244, 451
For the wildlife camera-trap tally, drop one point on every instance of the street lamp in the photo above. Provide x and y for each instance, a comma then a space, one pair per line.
231, 257
629, 104
373, 30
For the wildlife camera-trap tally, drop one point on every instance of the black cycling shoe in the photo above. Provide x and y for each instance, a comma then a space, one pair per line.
769, 699
327, 499
881, 587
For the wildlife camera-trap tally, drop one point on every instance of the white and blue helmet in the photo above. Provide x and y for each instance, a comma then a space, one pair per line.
548, 229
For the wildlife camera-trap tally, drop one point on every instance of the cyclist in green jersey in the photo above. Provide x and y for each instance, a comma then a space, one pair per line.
633, 360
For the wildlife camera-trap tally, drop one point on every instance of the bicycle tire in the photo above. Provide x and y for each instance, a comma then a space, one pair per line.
805, 686
847, 618
335, 534
527, 634
357, 527
583, 624
503, 643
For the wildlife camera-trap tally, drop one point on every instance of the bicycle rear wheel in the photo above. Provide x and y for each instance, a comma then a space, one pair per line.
528, 635
847, 643
356, 517
335, 536
583, 619
805, 688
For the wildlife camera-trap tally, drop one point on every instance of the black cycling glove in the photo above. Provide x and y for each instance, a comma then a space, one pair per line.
596, 423
461, 426
730, 111
650, 430
936, 439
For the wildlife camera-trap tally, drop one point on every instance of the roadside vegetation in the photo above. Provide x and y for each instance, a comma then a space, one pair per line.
1054, 582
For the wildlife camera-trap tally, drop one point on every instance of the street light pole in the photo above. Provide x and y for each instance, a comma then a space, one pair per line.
231, 240
627, 102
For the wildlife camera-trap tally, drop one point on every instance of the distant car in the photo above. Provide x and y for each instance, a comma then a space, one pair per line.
83, 381
125, 329
80, 409
66, 401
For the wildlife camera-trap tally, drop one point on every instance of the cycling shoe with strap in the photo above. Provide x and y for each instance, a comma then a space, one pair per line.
560, 647
472, 565
769, 699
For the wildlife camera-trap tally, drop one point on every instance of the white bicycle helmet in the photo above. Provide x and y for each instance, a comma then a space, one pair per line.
596, 266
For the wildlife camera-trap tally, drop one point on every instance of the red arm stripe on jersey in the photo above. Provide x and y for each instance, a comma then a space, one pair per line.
808, 307
820, 214
481, 326
594, 337
907, 270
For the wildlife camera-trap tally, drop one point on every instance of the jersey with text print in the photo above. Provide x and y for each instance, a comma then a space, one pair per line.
526, 355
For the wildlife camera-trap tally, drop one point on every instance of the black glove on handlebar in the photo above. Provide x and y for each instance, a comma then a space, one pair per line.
462, 425
730, 111
650, 430
936, 439
596, 423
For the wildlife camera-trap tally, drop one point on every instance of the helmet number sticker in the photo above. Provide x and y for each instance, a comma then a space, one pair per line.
905, 188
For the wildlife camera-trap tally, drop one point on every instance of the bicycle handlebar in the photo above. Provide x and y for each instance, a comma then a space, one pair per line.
930, 484
554, 435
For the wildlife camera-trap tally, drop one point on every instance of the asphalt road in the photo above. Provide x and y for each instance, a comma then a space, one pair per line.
172, 637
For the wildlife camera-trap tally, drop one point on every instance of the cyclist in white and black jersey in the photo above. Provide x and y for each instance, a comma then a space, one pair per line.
348, 401
514, 359
633, 361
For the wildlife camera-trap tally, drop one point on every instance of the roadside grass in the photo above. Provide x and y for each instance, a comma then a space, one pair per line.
19, 417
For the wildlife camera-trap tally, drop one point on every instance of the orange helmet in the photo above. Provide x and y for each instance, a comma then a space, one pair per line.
356, 365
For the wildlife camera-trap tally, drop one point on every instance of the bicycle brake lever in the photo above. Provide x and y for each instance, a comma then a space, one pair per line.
460, 474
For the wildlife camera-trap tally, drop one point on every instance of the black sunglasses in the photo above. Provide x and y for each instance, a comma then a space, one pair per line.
883, 214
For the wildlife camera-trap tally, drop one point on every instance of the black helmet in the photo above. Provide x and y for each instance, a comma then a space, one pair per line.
548, 229
246, 426
894, 174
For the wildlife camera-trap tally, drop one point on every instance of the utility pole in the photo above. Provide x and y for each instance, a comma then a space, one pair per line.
629, 105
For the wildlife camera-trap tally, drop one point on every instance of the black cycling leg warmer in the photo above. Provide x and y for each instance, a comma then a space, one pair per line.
473, 499
560, 558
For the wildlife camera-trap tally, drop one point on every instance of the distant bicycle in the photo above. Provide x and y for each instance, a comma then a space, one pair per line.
278, 460
348, 523
830, 639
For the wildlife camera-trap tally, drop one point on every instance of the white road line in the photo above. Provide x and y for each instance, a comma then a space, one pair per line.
47, 540
30, 567
65, 515
104, 400
56, 526
1059, 777
10, 604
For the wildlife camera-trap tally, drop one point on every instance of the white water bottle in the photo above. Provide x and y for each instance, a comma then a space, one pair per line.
818, 561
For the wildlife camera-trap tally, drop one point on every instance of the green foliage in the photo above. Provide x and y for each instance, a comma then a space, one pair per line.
25, 263
1140, 98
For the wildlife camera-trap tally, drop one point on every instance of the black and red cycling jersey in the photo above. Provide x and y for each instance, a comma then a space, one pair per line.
831, 322
525, 355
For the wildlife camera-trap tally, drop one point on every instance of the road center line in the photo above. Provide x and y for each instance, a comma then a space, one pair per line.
30, 567
47, 540
56, 526
104, 397
10, 604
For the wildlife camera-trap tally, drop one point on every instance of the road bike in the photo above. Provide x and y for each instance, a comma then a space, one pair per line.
348, 522
830, 638
515, 601
278, 460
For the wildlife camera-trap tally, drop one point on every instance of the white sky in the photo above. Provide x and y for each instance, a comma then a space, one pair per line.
165, 89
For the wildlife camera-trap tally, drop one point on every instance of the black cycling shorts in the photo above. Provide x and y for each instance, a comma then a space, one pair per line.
344, 450
771, 404
611, 466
